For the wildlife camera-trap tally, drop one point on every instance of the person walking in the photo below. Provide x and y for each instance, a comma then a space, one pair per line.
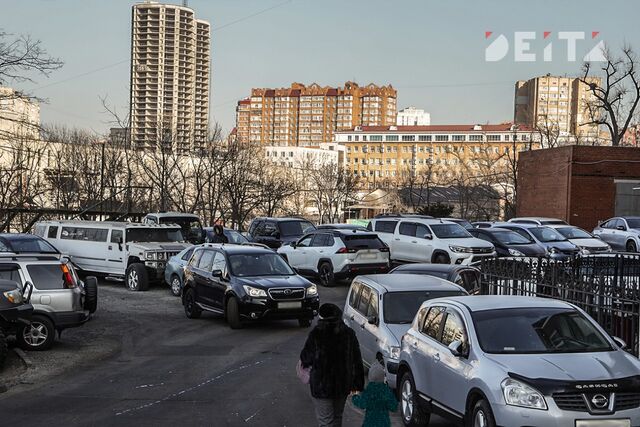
376, 400
218, 235
333, 355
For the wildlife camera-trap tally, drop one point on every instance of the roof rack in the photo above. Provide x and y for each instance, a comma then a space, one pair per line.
403, 215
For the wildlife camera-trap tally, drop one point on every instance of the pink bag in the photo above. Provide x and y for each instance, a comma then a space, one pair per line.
303, 373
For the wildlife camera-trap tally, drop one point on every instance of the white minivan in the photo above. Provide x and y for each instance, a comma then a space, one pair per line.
421, 239
136, 252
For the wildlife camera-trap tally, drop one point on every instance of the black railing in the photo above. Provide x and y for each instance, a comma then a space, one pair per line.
605, 286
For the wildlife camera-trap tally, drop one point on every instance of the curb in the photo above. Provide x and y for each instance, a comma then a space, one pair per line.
23, 356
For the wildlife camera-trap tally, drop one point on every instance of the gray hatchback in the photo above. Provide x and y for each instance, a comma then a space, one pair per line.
515, 361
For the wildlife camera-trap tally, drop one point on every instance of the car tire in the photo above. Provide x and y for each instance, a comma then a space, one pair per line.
412, 414
191, 309
4, 350
631, 246
441, 258
175, 286
37, 336
232, 314
325, 271
137, 278
304, 323
91, 294
482, 415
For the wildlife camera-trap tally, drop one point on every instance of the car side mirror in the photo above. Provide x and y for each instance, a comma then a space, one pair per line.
275, 235
620, 342
216, 273
372, 320
456, 348
621, 228
27, 290
428, 236
294, 245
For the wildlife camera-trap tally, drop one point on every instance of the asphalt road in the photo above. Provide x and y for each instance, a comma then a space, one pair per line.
168, 370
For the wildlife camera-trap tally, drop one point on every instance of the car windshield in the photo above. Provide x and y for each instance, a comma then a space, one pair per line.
537, 330
154, 235
449, 231
510, 238
258, 264
574, 233
401, 307
27, 245
295, 228
464, 223
633, 222
546, 234
553, 222
190, 226
235, 237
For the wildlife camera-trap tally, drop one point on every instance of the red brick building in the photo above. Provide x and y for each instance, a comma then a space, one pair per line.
580, 184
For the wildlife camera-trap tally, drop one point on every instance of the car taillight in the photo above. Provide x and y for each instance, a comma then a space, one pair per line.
346, 251
69, 281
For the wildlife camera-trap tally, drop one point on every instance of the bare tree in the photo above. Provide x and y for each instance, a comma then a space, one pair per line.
613, 104
331, 187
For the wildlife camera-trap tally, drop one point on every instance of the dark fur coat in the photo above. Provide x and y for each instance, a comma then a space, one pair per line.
333, 353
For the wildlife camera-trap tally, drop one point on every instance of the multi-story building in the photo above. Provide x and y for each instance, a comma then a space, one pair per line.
308, 115
19, 115
306, 158
170, 70
379, 154
556, 106
412, 116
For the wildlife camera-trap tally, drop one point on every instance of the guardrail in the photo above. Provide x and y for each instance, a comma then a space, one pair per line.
605, 286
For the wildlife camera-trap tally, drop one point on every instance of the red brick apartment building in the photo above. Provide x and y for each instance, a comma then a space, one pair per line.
580, 184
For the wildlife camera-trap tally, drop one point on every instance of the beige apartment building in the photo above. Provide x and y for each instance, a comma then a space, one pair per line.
309, 115
170, 73
556, 105
385, 154
19, 116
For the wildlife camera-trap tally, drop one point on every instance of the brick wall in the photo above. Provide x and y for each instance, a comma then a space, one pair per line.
574, 183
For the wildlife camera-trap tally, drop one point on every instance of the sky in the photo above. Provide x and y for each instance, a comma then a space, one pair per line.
432, 52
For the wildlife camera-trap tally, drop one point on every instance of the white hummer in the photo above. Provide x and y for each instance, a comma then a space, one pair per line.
134, 252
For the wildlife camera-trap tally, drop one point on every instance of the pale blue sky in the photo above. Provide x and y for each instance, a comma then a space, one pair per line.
431, 51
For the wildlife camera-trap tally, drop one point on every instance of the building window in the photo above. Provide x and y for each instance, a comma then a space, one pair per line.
424, 138
458, 138
475, 138
442, 138
375, 138
349, 138
357, 138
408, 138
392, 138
493, 138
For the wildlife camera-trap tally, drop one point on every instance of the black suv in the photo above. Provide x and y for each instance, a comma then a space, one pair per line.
15, 311
246, 283
275, 232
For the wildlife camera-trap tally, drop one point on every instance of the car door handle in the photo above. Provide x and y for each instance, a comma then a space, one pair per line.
397, 238
362, 326
110, 248
436, 357
352, 317
413, 344
414, 241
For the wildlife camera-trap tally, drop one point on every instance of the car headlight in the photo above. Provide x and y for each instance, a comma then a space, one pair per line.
14, 296
584, 251
312, 291
255, 292
515, 252
519, 394
394, 352
459, 249
552, 250
150, 255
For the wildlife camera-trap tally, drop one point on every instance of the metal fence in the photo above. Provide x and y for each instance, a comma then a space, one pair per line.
605, 286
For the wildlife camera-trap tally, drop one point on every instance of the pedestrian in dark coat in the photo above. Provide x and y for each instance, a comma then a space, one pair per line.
218, 235
376, 400
333, 354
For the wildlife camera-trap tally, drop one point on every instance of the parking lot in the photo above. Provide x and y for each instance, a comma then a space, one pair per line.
140, 361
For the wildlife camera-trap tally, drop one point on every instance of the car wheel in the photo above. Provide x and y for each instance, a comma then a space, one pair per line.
91, 294
413, 415
191, 309
176, 285
233, 314
137, 277
3, 348
441, 259
482, 415
38, 335
631, 246
325, 270
304, 323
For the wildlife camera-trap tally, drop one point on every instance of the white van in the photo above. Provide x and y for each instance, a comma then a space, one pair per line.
135, 252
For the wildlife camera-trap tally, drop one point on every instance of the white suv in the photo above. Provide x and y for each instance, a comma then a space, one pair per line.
337, 254
420, 239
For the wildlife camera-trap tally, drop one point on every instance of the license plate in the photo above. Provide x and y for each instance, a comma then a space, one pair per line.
290, 305
368, 256
603, 423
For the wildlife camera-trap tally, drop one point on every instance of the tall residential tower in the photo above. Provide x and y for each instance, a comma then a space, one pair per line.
170, 72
